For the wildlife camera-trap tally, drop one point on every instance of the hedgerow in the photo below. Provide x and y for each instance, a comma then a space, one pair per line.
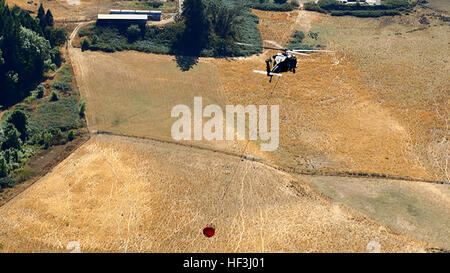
335, 8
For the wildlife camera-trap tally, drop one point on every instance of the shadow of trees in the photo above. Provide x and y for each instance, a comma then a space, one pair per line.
186, 63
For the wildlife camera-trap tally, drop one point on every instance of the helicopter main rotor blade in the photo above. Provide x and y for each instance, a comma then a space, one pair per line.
298, 53
279, 47
244, 44
310, 50
264, 47
275, 44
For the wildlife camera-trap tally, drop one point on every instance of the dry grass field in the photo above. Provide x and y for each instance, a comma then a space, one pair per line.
405, 66
339, 112
118, 194
67, 10
331, 116
132, 93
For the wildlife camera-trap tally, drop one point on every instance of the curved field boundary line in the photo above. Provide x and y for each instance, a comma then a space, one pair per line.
242, 156
290, 170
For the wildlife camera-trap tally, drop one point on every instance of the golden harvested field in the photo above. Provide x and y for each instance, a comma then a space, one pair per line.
331, 118
134, 93
405, 66
118, 194
131, 93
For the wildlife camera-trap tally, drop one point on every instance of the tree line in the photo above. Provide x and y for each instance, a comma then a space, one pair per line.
335, 8
29, 47
206, 28
212, 23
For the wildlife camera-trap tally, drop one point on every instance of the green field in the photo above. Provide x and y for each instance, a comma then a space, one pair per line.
417, 209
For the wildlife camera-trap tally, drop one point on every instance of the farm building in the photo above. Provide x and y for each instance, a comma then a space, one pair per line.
151, 14
122, 18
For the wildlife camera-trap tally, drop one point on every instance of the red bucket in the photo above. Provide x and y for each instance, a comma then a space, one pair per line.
209, 231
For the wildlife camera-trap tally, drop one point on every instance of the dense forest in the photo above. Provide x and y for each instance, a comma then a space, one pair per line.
28, 49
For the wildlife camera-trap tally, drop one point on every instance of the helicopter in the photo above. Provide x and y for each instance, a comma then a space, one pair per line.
284, 61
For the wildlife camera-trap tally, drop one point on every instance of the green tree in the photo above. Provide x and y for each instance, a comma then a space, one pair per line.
223, 18
40, 91
94, 39
133, 33
55, 56
82, 109
49, 19
56, 36
3, 167
299, 35
12, 137
70, 135
19, 119
280, 1
25, 53
85, 44
54, 96
196, 32
41, 17
47, 138
35, 51
2, 61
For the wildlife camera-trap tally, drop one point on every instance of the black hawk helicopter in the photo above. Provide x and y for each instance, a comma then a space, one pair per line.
285, 61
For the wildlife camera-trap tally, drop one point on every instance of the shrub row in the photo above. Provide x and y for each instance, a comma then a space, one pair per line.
365, 13
271, 6
387, 8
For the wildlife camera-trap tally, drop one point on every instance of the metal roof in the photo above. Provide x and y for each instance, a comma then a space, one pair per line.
122, 17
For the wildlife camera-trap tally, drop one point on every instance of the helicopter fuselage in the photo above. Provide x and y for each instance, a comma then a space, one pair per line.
282, 62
